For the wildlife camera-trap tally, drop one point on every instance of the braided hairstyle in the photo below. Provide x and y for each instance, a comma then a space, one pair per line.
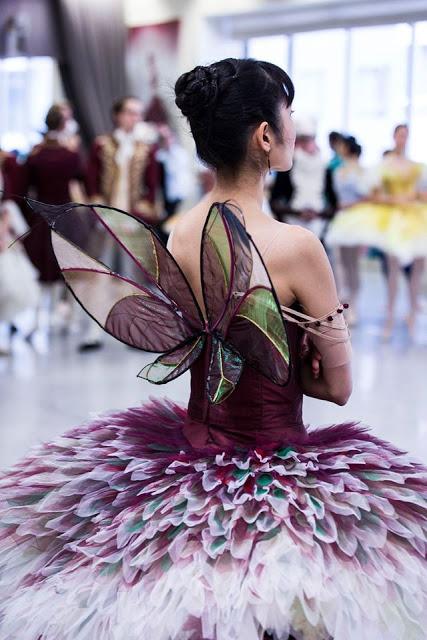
225, 102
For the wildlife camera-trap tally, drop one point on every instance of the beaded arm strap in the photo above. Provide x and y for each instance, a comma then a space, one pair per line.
315, 325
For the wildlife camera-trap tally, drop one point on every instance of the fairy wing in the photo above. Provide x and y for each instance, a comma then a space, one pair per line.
147, 302
137, 292
241, 305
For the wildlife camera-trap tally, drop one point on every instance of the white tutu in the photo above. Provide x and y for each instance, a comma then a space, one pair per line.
19, 289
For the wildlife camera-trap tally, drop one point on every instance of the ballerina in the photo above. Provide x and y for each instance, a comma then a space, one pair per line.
227, 519
394, 220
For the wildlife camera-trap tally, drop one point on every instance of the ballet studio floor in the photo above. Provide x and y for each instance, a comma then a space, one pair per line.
43, 394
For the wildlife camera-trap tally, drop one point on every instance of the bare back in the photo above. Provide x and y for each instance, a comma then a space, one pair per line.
294, 257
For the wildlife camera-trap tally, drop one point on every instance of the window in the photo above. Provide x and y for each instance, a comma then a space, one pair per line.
28, 87
360, 80
378, 97
319, 73
273, 49
418, 120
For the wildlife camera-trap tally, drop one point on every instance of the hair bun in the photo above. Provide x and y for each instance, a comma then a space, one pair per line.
352, 145
196, 91
224, 102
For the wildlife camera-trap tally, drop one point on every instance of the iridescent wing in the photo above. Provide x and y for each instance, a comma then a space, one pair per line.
225, 369
128, 282
172, 364
257, 330
225, 263
124, 277
241, 305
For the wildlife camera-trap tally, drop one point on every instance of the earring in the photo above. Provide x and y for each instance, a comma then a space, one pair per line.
268, 163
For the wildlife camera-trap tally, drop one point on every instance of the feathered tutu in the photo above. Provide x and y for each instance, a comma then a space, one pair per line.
122, 529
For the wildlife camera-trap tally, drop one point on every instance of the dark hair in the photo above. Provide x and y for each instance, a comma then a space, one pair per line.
119, 104
400, 126
55, 118
335, 137
353, 147
226, 100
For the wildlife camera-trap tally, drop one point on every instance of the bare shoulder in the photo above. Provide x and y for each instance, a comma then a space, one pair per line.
187, 221
301, 270
296, 243
187, 232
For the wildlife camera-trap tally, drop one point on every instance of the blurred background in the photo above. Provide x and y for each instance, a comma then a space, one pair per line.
87, 113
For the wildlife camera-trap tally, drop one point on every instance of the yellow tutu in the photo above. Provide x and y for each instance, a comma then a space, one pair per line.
400, 230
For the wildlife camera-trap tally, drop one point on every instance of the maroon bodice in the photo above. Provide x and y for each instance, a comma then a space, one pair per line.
257, 413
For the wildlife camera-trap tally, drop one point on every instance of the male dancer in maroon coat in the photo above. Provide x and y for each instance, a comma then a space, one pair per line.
123, 173
48, 176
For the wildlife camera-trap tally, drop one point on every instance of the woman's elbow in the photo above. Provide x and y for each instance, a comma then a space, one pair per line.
341, 393
341, 399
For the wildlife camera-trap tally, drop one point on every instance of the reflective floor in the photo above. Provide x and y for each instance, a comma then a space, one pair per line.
41, 395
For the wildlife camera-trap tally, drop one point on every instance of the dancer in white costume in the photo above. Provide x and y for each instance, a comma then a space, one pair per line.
308, 180
351, 186
19, 288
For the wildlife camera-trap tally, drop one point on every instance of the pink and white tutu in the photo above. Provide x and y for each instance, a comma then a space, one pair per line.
225, 520
121, 530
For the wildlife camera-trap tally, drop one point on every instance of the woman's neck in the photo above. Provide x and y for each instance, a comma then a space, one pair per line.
351, 161
400, 152
246, 190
